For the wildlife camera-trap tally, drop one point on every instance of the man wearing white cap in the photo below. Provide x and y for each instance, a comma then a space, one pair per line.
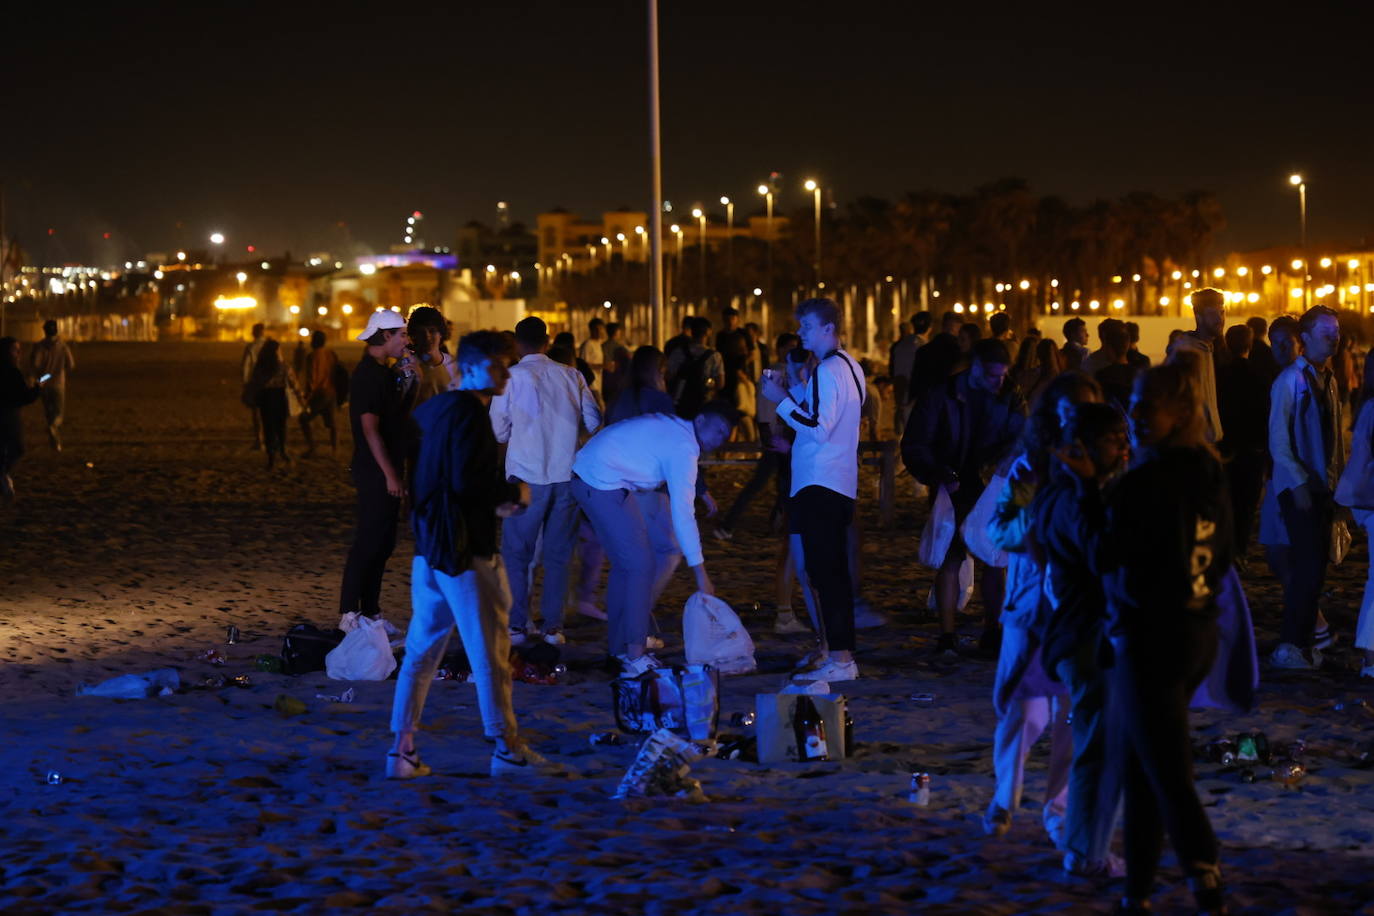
376, 412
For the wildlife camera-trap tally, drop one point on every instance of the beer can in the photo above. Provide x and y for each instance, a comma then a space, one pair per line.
231, 636
920, 789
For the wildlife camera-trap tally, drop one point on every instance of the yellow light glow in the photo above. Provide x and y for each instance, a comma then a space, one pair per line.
395, 308
675, 228
304, 332
235, 303
1197, 273
763, 189
346, 309
639, 230
725, 200
1055, 306
1242, 271
987, 306
1188, 300
810, 184
157, 275
999, 287
1295, 293
1219, 272
1163, 300
1024, 284
1177, 275
1074, 304
1326, 262
973, 307
1355, 290
1135, 278
1054, 284
1267, 270
605, 241
367, 270
295, 310
1187, 286
696, 213
1116, 278
1295, 179
1118, 303
322, 310
1296, 264
1353, 263
1369, 287
491, 268
1094, 305
181, 255
240, 276
1252, 298
959, 307
620, 236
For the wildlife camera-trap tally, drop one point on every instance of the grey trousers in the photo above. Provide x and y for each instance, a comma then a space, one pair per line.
635, 530
552, 512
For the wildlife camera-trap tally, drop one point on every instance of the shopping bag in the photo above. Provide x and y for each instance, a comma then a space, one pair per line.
712, 634
684, 699
965, 586
938, 533
975, 527
364, 655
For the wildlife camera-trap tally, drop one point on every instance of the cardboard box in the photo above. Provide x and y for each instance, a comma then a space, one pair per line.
773, 724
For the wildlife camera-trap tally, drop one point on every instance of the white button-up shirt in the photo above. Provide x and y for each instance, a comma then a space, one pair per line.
539, 416
826, 412
644, 453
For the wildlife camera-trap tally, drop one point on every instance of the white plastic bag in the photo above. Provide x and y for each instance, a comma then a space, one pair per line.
160, 682
713, 635
975, 528
965, 586
938, 533
364, 654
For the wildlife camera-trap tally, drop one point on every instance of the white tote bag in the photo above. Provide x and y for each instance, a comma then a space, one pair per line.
364, 655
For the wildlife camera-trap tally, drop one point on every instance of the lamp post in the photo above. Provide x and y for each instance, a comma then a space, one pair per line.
814, 187
729, 242
217, 239
1300, 183
676, 230
767, 193
700, 216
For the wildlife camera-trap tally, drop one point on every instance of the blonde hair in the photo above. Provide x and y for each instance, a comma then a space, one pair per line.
1177, 384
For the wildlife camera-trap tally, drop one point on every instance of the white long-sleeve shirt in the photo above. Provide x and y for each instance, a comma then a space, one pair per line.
644, 453
826, 413
538, 417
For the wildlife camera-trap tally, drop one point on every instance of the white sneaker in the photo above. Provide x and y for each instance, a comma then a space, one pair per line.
653, 642
634, 667
1290, 656
831, 672
517, 636
523, 763
787, 622
554, 637
405, 766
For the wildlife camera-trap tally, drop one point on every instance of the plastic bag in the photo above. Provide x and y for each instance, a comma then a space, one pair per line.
975, 527
965, 586
938, 533
364, 654
134, 686
713, 635
661, 768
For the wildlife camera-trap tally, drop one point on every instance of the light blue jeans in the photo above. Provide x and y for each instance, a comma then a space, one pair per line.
552, 512
478, 602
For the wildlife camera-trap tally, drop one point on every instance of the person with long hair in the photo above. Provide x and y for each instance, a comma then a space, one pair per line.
1049, 361
1027, 702
1164, 544
272, 376
646, 390
15, 393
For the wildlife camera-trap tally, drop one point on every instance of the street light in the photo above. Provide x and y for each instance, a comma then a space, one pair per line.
217, 238
700, 216
814, 187
729, 241
767, 193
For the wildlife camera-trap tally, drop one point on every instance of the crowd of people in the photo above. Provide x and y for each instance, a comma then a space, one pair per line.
1120, 496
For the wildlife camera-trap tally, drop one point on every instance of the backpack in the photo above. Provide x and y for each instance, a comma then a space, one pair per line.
689, 386
340, 383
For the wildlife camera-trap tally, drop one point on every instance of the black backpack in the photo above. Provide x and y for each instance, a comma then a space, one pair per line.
340, 383
689, 386
304, 647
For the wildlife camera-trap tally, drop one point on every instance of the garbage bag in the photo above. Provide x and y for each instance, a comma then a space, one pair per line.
364, 655
134, 686
713, 635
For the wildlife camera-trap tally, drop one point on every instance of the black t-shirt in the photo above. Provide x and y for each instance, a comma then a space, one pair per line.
377, 390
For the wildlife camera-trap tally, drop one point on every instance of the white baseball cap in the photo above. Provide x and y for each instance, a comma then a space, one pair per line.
384, 320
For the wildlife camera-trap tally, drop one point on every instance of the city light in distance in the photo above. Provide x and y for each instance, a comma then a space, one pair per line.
1252, 298
367, 270
217, 238
181, 255
322, 310
1353, 263
1163, 300
757, 291
1295, 179
1024, 284
1297, 264
1094, 305
810, 184
265, 265
1118, 303
725, 200
346, 309
1176, 275
241, 276
1295, 293
235, 303
1219, 272
295, 310
606, 304
1266, 270
1242, 271
157, 275
763, 189
1326, 262
1135, 278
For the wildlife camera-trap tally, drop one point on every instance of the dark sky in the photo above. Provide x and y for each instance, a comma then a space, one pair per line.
275, 124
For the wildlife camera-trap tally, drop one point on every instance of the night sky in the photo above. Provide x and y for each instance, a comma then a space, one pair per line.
276, 125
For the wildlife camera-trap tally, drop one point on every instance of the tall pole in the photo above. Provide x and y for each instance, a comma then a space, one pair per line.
729, 242
4, 261
767, 193
700, 215
815, 188
656, 154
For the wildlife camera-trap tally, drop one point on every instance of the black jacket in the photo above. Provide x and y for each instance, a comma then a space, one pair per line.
956, 432
459, 482
1167, 542
1069, 518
